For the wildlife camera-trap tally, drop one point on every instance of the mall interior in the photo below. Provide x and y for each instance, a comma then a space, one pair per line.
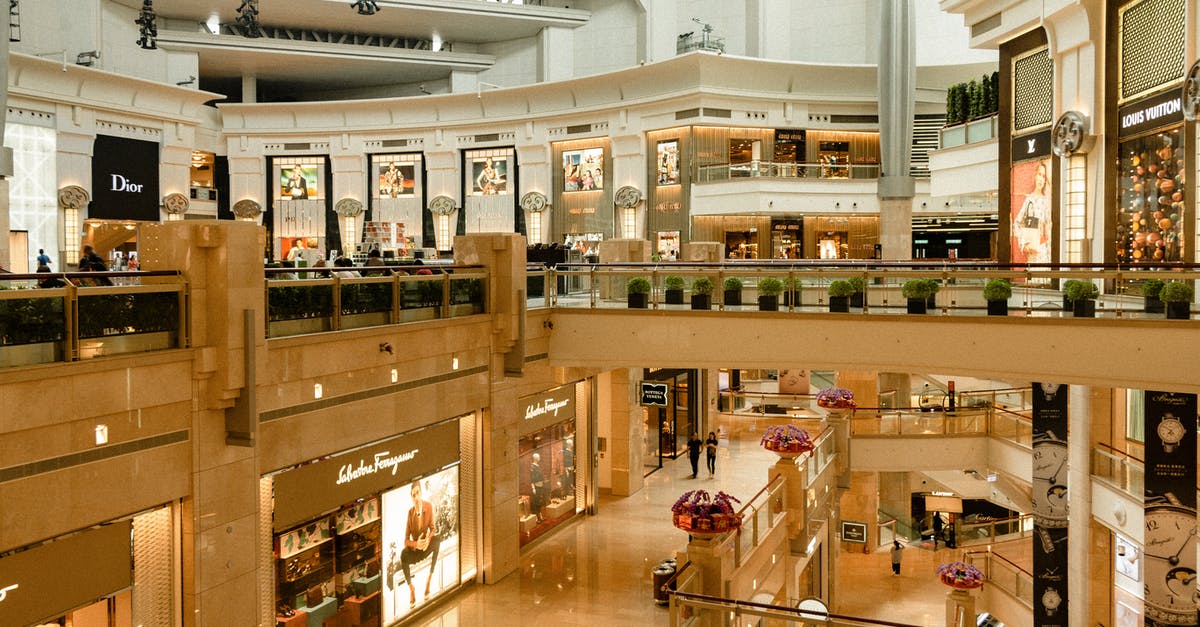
331, 313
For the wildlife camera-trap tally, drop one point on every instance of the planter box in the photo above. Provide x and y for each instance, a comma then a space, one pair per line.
359, 321
1179, 311
1084, 308
792, 299
1153, 305
733, 297
768, 303
638, 301
29, 354
997, 307
701, 301
674, 297
124, 344
839, 304
856, 300
299, 326
917, 305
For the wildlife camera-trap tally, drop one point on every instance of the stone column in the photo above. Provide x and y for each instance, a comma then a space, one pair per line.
1079, 501
955, 600
221, 520
6, 158
249, 88
897, 79
556, 58
625, 444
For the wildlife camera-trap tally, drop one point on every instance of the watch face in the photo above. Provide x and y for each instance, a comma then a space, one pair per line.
1050, 484
1170, 430
1051, 599
1170, 555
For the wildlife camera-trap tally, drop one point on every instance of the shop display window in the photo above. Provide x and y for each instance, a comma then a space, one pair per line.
420, 543
357, 546
305, 571
547, 479
834, 157
1151, 210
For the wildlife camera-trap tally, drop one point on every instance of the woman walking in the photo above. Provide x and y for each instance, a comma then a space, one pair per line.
710, 450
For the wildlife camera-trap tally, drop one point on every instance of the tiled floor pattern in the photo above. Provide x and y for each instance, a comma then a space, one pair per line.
596, 571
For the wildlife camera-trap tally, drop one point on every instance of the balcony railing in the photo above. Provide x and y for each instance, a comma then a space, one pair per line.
1004, 574
82, 315
1122, 470
768, 169
970, 132
913, 422
760, 514
306, 300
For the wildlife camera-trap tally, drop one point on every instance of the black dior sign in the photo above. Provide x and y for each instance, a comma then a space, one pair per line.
124, 179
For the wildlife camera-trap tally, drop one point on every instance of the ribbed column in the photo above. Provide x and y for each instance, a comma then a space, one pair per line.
1079, 501
897, 79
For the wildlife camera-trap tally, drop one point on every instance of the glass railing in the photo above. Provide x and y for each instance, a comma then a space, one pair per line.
770, 169
1003, 574
1120, 469
537, 292
688, 608
303, 301
771, 404
738, 285
759, 516
46, 318
989, 531
1013, 399
969, 132
912, 422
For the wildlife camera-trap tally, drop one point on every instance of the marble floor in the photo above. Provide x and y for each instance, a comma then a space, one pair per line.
596, 570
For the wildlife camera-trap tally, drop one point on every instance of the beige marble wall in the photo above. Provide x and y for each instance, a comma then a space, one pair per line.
625, 445
861, 504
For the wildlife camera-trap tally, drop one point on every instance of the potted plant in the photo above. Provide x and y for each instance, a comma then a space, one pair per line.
1177, 296
1066, 288
918, 292
961, 575
1151, 289
836, 398
639, 292
934, 286
860, 285
1082, 295
698, 512
787, 441
769, 290
791, 291
674, 286
840, 292
733, 291
997, 292
702, 289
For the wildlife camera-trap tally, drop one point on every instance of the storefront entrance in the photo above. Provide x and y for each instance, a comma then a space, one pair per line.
666, 429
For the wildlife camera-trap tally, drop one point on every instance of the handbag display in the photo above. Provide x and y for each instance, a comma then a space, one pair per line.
314, 597
373, 567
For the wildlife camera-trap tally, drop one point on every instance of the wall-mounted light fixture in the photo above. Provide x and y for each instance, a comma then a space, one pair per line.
318, 391
101, 435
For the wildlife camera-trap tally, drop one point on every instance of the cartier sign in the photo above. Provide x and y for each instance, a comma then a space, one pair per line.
553, 406
310, 489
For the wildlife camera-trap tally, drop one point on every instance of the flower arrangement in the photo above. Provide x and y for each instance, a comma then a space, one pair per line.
786, 439
697, 511
961, 575
836, 398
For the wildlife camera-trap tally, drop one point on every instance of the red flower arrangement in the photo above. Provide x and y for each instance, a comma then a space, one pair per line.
696, 511
961, 575
836, 398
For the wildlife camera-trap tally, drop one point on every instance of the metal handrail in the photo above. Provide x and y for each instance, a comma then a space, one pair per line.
790, 614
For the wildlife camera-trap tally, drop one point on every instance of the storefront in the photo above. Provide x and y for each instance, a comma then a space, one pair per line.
396, 222
666, 428
550, 490
583, 192
1145, 130
125, 193
299, 217
371, 535
1028, 228
490, 184
119, 574
667, 203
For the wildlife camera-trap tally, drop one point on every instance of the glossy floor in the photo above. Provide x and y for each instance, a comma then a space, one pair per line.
596, 571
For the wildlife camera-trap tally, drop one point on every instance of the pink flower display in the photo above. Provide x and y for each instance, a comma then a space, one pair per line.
836, 398
961, 575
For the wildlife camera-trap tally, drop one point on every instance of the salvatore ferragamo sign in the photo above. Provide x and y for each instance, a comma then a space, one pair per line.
539, 411
309, 490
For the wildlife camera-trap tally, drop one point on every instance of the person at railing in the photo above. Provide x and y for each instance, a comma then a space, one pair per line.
94, 266
694, 443
342, 262
89, 258
49, 282
286, 275
374, 259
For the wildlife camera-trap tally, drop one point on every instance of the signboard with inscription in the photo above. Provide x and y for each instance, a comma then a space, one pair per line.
551, 407
854, 532
653, 394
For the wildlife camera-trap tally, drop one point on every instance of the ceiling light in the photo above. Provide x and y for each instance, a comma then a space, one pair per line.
147, 27
101, 435
365, 7
213, 24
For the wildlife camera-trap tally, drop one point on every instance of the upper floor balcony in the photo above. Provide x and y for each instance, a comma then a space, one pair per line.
966, 161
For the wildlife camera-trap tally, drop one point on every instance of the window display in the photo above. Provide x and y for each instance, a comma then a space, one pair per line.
547, 478
834, 157
583, 170
420, 530
305, 571
489, 175
1152, 208
668, 162
299, 182
1032, 227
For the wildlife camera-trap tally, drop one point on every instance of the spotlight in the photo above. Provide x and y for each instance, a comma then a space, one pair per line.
365, 7
147, 29
248, 18
385, 347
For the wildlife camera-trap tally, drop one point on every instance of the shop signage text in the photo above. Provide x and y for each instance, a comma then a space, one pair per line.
125, 177
122, 184
4, 591
383, 461
579, 211
549, 405
548, 408
854, 532
654, 394
1161, 110
1033, 146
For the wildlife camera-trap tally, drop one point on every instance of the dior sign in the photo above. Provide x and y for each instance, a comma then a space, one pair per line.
122, 184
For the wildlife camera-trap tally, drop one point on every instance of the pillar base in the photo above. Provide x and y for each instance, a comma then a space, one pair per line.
960, 602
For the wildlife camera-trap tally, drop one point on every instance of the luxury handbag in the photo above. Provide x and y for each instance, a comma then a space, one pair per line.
1030, 222
314, 597
373, 567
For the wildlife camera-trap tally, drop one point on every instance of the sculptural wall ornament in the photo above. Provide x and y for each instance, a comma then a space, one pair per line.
1191, 93
441, 205
348, 208
176, 203
533, 202
1069, 133
627, 196
73, 197
246, 209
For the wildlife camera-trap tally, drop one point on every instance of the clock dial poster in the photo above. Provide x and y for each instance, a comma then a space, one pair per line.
1049, 504
1169, 540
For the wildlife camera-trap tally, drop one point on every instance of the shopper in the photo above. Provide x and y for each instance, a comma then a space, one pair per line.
710, 450
694, 443
43, 259
897, 553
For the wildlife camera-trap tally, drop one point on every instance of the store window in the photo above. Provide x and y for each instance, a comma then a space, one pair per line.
299, 211
834, 157
203, 182
546, 461
1152, 208
397, 197
489, 192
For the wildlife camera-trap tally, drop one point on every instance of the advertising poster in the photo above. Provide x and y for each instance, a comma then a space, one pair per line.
668, 162
583, 170
420, 543
396, 179
299, 182
1049, 504
1031, 233
489, 176
1170, 516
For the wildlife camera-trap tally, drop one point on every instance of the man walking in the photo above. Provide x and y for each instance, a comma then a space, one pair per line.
694, 443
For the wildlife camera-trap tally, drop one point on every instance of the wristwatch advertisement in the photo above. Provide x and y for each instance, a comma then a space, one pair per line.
1169, 537
1049, 473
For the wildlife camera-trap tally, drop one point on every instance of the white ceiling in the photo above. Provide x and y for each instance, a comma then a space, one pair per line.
470, 21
